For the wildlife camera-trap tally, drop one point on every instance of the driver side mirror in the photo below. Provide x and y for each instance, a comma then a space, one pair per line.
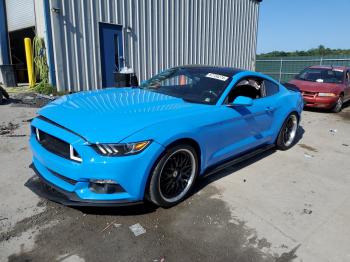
242, 101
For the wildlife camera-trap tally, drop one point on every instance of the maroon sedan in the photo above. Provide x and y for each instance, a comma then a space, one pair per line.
325, 87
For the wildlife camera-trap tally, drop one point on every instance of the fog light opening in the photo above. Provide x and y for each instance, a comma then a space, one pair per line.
105, 187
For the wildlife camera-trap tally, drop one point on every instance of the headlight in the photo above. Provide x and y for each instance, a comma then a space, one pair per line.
121, 149
327, 94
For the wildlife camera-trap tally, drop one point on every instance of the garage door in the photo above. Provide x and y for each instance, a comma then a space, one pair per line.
20, 14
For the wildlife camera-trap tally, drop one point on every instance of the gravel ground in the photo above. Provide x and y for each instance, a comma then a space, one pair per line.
280, 206
28, 99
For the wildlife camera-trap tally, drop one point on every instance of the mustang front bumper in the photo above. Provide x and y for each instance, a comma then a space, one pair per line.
51, 192
74, 180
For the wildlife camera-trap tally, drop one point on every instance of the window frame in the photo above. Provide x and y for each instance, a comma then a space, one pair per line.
263, 79
265, 90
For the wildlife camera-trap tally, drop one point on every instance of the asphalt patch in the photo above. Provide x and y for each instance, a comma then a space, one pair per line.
8, 129
199, 229
345, 115
29, 99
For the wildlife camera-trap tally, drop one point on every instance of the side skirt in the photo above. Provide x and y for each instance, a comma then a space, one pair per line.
236, 160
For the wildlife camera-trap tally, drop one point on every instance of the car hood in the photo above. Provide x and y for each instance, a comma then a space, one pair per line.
111, 115
308, 86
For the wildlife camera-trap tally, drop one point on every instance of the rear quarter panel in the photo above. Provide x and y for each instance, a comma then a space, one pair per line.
289, 101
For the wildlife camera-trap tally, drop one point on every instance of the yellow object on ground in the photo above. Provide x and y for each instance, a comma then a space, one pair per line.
29, 58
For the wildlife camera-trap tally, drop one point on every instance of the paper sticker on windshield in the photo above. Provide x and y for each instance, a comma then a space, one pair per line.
319, 80
217, 77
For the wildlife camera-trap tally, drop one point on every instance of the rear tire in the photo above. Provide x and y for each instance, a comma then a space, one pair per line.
339, 105
288, 132
173, 176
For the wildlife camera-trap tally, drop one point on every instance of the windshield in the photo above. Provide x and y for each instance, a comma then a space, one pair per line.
322, 75
197, 85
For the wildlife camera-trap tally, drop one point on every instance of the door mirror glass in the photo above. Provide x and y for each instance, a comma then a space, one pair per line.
242, 101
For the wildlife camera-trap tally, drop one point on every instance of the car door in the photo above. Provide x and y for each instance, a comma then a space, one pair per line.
261, 114
227, 134
242, 128
265, 110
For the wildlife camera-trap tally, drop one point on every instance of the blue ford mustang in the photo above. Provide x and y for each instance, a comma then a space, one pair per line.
123, 146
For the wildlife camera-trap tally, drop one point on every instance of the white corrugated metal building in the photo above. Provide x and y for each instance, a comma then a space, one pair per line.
88, 40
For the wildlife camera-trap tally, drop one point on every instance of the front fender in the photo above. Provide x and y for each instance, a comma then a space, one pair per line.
168, 133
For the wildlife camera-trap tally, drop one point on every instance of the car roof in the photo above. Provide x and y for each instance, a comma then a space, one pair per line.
228, 71
330, 67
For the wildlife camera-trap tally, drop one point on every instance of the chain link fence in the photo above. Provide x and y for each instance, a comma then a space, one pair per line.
284, 69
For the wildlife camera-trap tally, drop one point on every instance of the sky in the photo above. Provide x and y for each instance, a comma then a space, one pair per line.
289, 25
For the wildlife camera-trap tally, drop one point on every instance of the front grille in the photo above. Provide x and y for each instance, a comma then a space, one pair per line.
54, 144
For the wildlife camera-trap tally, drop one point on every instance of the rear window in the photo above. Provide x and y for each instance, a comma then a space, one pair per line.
270, 88
322, 75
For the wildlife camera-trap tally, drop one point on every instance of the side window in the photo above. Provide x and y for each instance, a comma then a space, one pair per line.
270, 88
249, 87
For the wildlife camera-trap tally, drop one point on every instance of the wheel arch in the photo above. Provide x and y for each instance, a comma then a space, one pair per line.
186, 140
282, 120
297, 114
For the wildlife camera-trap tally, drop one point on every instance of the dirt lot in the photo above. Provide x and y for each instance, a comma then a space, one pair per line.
281, 206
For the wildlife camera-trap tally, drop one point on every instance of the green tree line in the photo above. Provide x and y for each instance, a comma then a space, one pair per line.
319, 51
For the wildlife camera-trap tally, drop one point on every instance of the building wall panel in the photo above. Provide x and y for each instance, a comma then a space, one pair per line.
158, 34
20, 14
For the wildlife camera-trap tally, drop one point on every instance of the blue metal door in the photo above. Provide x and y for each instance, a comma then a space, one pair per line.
111, 44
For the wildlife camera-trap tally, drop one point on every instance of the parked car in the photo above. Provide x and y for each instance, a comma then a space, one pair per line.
325, 87
121, 146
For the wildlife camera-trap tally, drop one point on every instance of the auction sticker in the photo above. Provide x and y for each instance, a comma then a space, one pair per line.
217, 77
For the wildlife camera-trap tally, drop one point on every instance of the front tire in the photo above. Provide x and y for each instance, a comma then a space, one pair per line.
288, 132
339, 105
173, 176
